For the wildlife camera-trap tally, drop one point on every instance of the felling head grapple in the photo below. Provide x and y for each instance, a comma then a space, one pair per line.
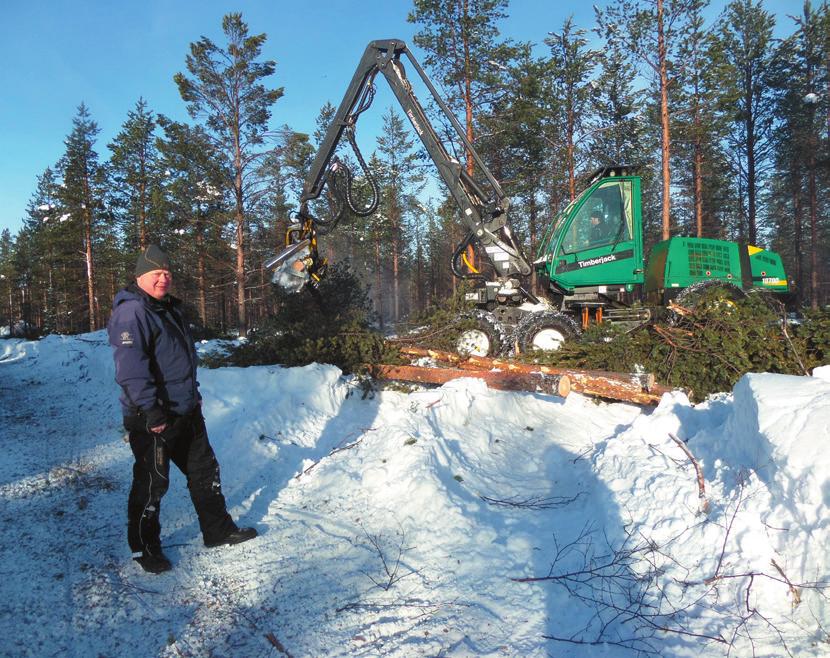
291, 266
299, 264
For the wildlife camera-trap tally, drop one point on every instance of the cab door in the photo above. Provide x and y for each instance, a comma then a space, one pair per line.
601, 241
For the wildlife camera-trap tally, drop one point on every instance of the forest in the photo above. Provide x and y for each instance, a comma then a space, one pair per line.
728, 123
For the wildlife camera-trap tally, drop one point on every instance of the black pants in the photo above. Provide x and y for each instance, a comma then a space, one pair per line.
185, 443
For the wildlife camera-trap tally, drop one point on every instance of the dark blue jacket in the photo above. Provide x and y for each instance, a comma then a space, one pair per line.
155, 360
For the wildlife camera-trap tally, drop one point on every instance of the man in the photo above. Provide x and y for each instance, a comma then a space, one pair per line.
597, 227
602, 231
155, 365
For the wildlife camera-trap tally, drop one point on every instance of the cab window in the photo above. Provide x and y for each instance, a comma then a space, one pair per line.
604, 218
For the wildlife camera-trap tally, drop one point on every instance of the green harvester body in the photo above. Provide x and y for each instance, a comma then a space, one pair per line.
595, 250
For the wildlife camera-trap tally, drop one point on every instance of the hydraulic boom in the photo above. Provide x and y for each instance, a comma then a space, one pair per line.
483, 207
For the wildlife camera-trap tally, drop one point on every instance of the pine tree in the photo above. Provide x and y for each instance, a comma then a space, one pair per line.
694, 127
460, 37
813, 40
226, 89
441, 241
651, 31
135, 177
616, 125
401, 182
619, 126
24, 257
419, 289
516, 140
800, 185
46, 251
196, 210
81, 197
572, 67
786, 193
8, 281
323, 121
296, 155
277, 204
461, 41
743, 56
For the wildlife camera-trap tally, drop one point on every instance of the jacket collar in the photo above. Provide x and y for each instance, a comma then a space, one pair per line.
165, 303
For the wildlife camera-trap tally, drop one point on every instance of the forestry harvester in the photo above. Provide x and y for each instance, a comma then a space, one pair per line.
590, 259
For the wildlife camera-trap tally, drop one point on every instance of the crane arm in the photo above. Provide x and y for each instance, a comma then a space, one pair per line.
484, 208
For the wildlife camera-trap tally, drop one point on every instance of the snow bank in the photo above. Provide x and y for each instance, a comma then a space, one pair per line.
822, 372
767, 478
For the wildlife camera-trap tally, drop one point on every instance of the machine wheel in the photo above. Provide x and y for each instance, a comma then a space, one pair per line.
545, 331
707, 294
485, 339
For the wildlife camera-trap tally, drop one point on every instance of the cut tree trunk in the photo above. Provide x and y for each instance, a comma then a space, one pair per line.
639, 388
502, 381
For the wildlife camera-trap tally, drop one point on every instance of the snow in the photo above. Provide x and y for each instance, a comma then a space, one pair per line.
401, 524
822, 372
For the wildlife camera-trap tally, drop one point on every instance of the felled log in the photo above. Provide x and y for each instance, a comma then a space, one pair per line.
504, 381
635, 387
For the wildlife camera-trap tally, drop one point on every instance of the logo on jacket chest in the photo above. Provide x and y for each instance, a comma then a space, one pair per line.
126, 339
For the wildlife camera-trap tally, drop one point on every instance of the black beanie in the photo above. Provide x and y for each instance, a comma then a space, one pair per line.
151, 258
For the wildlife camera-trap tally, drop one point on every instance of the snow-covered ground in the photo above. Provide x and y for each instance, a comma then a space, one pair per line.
456, 521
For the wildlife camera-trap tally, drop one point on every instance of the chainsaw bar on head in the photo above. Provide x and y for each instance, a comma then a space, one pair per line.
287, 253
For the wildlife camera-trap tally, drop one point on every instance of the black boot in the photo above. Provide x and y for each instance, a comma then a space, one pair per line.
152, 560
235, 537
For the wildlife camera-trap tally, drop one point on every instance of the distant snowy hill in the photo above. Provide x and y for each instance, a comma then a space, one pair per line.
456, 521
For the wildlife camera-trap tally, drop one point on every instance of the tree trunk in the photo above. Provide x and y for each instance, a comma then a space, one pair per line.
223, 322
241, 306
750, 160
569, 138
239, 193
396, 282
396, 300
698, 174
455, 240
142, 208
533, 211
90, 269
799, 265
664, 122
49, 306
504, 381
638, 388
468, 109
201, 282
113, 285
811, 183
378, 282
468, 88
418, 297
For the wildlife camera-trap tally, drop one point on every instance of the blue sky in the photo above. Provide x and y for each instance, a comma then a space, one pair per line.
108, 53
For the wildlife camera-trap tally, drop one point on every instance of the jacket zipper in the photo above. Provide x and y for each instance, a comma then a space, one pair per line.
174, 318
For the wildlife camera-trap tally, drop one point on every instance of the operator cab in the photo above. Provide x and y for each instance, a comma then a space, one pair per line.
597, 245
